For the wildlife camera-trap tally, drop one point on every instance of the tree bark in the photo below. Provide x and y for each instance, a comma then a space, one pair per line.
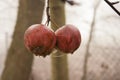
59, 60
19, 61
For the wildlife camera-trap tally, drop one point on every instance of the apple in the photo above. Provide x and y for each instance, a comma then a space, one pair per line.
39, 39
68, 38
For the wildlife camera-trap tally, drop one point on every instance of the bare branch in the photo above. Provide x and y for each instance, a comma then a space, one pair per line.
111, 5
48, 13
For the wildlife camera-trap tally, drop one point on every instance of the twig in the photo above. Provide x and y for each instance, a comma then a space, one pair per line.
111, 5
47, 13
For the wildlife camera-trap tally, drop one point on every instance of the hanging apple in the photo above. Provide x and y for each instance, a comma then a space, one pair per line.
39, 39
68, 38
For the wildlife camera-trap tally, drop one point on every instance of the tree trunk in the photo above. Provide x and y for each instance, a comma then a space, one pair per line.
19, 61
59, 60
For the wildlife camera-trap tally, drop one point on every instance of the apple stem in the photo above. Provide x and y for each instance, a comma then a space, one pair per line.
52, 21
48, 15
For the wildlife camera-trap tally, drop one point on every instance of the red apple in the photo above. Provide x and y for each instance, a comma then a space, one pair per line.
39, 39
68, 38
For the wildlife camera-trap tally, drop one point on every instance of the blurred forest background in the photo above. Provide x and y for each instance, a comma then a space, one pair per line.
98, 57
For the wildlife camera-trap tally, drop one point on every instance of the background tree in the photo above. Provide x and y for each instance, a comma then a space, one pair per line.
59, 63
19, 60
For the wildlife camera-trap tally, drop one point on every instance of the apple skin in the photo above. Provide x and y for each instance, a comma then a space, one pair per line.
39, 39
68, 38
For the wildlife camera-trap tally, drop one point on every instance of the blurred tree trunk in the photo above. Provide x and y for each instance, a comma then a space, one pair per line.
87, 53
19, 61
59, 63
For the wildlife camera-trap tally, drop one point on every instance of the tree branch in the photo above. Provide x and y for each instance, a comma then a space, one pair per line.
111, 5
47, 13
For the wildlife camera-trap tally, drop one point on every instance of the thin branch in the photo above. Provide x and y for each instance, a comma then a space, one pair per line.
111, 5
48, 13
